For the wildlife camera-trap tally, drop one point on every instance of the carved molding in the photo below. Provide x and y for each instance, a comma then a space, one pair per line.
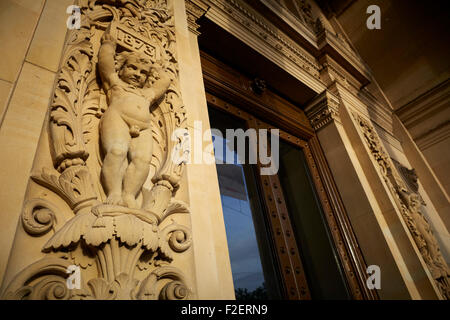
338, 43
409, 204
195, 9
323, 110
261, 30
425, 106
331, 72
293, 20
306, 19
426, 117
100, 101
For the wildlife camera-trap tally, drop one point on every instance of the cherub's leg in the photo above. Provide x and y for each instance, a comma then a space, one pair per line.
115, 141
140, 156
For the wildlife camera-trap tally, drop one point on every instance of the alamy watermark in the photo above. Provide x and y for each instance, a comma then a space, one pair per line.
374, 20
74, 20
73, 281
374, 280
231, 149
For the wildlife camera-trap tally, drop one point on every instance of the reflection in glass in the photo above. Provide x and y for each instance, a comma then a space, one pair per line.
251, 258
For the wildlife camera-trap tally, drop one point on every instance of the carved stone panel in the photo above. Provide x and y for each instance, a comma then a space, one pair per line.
410, 204
114, 142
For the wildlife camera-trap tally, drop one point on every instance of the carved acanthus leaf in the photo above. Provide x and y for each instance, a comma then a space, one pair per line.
42, 280
66, 132
175, 206
74, 185
176, 289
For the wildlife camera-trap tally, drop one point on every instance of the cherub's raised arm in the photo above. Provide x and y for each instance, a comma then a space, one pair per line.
161, 85
106, 62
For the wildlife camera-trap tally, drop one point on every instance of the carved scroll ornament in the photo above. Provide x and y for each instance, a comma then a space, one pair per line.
410, 205
115, 112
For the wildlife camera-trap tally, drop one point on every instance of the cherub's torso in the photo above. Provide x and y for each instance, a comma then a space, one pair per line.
131, 103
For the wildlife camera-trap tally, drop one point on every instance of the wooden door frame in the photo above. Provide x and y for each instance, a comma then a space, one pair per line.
232, 92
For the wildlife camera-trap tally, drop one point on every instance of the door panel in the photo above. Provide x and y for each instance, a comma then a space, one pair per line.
321, 263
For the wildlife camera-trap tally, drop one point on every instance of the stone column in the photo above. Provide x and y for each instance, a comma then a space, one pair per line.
380, 230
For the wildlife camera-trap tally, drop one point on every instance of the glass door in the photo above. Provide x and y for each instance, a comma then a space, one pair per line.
279, 241
254, 268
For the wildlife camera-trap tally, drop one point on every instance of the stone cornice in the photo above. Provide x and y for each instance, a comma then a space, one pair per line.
330, 43
331, 71
292, 21
425, 106
433, 136
312, 27
323, 110
427, 117
250, 27
306, 60
366, 104
194, 10
255, 30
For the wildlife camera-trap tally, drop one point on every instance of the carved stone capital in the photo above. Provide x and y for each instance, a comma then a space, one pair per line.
195, 9
332, 72
323, 110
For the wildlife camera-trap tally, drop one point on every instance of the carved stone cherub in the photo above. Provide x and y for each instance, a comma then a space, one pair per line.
125, 127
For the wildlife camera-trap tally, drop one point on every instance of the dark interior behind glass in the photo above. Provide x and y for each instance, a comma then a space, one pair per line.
320, 261
254, 267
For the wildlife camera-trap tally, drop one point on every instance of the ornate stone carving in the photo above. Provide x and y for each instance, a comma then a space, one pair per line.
42, 280
113, 124
195, 9
411, 209
305, 11
38, 216
302, 10
409, 176
258, 26
323, 110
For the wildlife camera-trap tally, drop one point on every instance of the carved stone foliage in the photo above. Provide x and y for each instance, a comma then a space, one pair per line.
323, 110
410, 205
126, 236
409, 176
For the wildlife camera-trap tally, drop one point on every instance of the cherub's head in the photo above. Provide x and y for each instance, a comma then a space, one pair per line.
134, 68
414, 201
